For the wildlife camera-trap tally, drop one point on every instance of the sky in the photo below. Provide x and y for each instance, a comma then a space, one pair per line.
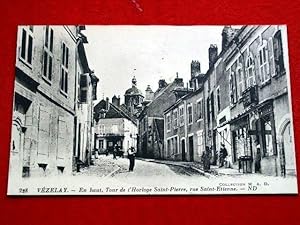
150, 53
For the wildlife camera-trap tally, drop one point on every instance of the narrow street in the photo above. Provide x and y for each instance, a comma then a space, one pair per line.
106, 166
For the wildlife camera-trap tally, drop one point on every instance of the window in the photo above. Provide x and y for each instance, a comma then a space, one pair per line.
181, 115
278, 53
101, 129
64, 69
271, 57
218, 100
232, 88
26, 51
212, 105
190, 113
175, 118
240, 78
48, 53
200, 109
168, 122
263, 63
208, 109
101, 144
200, 142
83, 88
250, 72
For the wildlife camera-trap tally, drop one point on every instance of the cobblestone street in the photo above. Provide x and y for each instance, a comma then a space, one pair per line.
106, 166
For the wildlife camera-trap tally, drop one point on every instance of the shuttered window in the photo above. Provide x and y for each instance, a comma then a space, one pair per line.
48, 53
83, 88
26, 48
64, 69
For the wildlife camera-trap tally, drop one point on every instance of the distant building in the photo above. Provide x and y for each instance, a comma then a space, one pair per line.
114, 126
151, 121
133, 98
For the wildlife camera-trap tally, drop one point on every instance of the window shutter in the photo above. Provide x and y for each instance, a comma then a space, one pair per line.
83, 87
271, 57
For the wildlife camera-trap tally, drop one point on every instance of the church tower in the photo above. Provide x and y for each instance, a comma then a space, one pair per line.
133, 97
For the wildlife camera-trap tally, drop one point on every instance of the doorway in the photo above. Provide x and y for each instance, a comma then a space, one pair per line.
289, 154
191, 148
183, 150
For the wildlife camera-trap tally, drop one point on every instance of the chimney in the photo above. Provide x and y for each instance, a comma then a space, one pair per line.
149, 94
107, 103
212, 54
116, 101
228, 33
162, 83
195, 68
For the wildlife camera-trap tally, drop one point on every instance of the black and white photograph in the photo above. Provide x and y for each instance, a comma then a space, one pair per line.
152, 110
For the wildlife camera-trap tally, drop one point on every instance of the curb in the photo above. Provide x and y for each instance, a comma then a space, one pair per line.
113, 172
207, 175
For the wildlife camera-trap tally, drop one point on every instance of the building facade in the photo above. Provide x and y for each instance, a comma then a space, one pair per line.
259, 100
151, 119
114, 126
44, 101
243, 103
86, 89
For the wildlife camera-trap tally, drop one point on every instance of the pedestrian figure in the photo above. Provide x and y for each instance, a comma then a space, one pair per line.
257, 158
131, 157
115, 151
205, 158
223, 155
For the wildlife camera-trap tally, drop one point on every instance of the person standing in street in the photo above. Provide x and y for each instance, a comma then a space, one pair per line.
205, 158
223, 154
131, 157
115, 151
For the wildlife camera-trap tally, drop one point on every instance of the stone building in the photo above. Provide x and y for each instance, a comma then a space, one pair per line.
184, 120
257, 66
245, 105
86, 88
44, 101
114, 126
151, 120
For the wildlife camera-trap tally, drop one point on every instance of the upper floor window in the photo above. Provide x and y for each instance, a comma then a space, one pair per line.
64, 68
250, 71
83, 91
240, 78
26, 50
278, 53
218, 99
232, 87
175, 118
168, 122
263, 62
48, 53
271, 56
181, 115
190, 113
199, 109
101, 129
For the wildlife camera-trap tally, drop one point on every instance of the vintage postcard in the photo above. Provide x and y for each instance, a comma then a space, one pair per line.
152, 110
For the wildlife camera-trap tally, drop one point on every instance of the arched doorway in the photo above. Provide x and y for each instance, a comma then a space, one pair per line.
288, 150
16, 152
